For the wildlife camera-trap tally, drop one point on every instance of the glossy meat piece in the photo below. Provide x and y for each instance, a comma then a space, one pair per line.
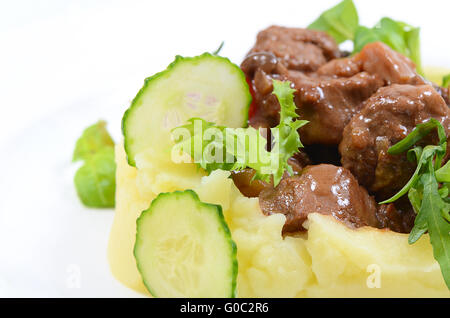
325, 189
260, 69
388, 117
389, 65
398, 217
332, 96
243, 179
329, 102
329, 97
444, 91
297, 49
345, 67
326, 100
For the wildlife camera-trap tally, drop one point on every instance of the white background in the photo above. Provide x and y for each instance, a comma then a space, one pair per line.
65, 64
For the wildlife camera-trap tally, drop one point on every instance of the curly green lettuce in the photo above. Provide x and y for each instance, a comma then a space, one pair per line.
215, 147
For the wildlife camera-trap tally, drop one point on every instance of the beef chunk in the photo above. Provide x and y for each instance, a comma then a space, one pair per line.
329, 102
330, 93
345, 67
386, 118
444, 91
392, 67
243, 179
333, 95
297, 49
398, 217
326, 100
325, 189
260, 69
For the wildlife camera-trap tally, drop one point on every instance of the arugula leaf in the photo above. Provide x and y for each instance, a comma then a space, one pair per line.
93, 139
446, 81
438, 227
429, 199
400, 36
426, 154
95, 180
238, 148
421, 155
417, 134
415, 195
443, 174
443, 191
340, 22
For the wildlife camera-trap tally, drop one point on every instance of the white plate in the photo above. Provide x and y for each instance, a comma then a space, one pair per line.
52, 246
85, 64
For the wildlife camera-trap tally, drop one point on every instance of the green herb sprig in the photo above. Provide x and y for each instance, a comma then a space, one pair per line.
342, 23
254, 155
428, 191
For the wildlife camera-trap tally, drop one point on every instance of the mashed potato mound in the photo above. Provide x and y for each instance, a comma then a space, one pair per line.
331, 260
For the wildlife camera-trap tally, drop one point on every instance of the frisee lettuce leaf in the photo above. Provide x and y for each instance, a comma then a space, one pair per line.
234, 149
95, 180
220, 152
287, 139
342, 23
428, 191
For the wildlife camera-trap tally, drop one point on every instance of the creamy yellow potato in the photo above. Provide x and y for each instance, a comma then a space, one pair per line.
331, 260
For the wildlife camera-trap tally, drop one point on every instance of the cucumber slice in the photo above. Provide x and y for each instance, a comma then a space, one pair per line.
184, 248
207, 86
